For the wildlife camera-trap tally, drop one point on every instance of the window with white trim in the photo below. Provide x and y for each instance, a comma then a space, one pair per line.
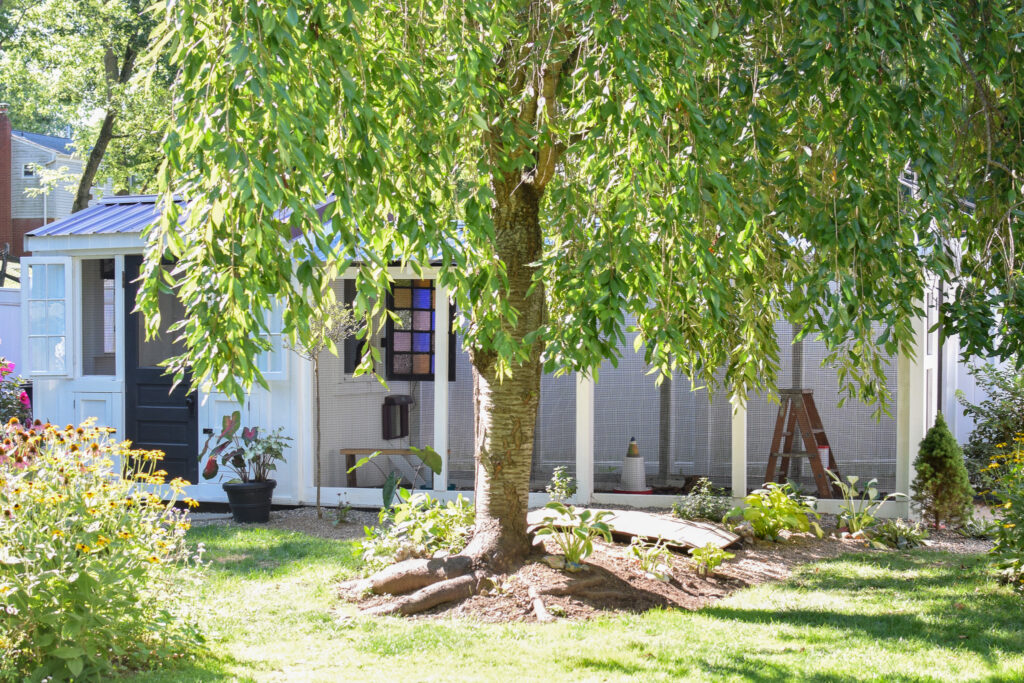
46, 296
28, 171
272, 363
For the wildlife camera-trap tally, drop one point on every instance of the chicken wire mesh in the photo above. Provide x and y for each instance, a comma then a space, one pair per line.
861, 445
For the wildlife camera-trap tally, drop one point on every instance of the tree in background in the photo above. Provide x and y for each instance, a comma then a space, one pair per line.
998, 419
941, 485
79, 64
705, 168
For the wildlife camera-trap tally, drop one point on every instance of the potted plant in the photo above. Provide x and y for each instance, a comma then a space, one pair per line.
252, 457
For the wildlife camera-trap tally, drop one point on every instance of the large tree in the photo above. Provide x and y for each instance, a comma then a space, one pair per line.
81, 64
706, 168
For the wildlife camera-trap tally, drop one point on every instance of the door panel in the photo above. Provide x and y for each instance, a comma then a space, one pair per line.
157, 416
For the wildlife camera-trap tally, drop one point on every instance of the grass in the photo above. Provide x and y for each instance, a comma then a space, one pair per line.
916, 616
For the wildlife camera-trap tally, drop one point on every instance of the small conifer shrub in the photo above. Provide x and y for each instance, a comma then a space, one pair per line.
941, 488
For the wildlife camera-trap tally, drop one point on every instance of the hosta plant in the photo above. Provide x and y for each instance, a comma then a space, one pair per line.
775, 508
95, 574
857, 511
899, 533
708, 558
417, 526
654, 559
573, 530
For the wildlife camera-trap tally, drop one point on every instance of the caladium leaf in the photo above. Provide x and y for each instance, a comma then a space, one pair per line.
211, 469
230, 424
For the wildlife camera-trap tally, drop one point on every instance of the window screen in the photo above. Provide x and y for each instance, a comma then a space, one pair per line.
98, 325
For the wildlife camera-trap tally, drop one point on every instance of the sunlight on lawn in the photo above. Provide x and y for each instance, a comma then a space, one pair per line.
915, 616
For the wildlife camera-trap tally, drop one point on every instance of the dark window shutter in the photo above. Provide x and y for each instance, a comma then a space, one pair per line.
353, 348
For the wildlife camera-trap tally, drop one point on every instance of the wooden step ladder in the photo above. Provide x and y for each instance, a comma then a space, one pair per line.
797, 410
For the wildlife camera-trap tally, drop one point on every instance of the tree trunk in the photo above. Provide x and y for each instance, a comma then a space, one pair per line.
84, 193
316, 381
506, 409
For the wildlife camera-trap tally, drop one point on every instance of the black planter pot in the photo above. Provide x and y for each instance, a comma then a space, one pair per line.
250, 501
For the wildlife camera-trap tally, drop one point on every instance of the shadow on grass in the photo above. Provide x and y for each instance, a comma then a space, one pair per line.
941, 608
253, 551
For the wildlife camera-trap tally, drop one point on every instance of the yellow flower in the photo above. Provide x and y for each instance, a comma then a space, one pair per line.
191, 502
123, 534
153, 559
82, 547
57, 533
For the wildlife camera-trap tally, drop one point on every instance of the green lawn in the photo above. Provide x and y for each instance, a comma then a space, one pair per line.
920, 616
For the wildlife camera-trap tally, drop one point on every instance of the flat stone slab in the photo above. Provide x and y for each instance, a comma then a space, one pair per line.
678, 533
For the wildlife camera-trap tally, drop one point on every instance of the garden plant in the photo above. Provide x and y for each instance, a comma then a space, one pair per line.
13, 399
899, 533
997, 419
417, 526
562, 486
708, 558
703, 502
573, 530
775, 508
857, 511
1007, 471
942, 488
95, 574
654, 559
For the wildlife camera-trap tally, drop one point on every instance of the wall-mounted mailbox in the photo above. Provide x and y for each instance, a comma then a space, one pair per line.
396, 416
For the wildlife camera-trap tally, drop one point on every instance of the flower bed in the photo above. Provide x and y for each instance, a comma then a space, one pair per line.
95, 574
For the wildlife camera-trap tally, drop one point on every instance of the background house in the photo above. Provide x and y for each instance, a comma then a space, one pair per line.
20, 152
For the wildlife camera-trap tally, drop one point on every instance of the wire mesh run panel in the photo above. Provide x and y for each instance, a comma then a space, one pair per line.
861, 445
554, 437
681, 434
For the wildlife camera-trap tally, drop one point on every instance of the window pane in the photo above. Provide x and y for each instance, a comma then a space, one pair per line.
55, 281
37, 281
36, 317
56, 352
55, 317
37, 354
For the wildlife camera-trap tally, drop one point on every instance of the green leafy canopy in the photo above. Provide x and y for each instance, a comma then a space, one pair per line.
706, 168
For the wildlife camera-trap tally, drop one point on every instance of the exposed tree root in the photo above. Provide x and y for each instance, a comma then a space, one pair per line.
538, 606
574, 587
412, 575
459, 588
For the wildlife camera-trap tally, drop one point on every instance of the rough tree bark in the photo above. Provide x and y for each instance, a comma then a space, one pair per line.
506, 408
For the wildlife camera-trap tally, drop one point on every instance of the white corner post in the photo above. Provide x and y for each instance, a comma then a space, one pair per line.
739, 446
912, 407
442, 325
584, 438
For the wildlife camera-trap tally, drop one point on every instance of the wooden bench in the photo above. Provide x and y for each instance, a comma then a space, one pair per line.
352, 453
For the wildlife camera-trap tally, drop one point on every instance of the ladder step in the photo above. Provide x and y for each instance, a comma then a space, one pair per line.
816, 431
798, 454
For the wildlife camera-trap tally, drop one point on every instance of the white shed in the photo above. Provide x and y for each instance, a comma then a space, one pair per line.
84, 349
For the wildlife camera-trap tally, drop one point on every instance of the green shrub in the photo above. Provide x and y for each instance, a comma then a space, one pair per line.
774, 508
95, 574
562, 486
857, 511
975, 527
1007, 469
997, 419
655, 559
941, 487
899, 533
574, 529
707, 559
13, 399
703, 502
417, 526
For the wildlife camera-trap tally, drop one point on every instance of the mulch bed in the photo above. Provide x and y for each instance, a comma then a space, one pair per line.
612, 581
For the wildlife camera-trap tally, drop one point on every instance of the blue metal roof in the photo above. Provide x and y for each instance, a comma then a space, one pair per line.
108, 216
57, 144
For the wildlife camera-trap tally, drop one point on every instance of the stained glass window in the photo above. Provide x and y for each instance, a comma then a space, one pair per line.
410, 353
